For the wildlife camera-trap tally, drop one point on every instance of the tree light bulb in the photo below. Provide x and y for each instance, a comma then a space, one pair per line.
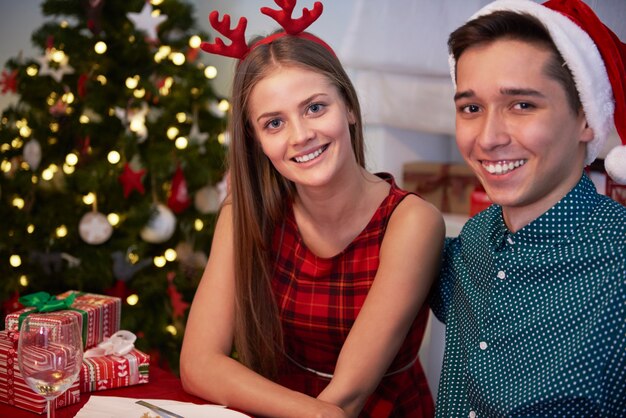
159, 261
195, 41
132, 300
198, 225
113, 218
100, 47
47, 174
25, 131
170, 254
58, 56
5, 166
132, 82
23, 280
68, 169
68, 98
30, 228
181, 117
32, 71
18, 202
181, 142
172, 132
113, 157
171, 329
61, 231
89, 198
71, 158
210, 72
178, 58
15, 260
223, 105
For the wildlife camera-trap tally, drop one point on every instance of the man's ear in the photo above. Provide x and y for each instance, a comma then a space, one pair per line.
586, 131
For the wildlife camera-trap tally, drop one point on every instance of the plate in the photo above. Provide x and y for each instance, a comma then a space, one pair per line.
115, 407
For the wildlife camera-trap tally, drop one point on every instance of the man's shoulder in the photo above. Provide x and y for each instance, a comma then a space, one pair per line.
610, 214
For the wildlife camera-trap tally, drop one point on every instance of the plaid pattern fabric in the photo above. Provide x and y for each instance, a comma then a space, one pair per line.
319, 299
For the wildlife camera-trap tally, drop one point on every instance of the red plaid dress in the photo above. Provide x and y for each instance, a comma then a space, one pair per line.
319, 299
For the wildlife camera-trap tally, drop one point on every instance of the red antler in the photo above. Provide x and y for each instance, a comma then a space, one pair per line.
238, 47
284, 19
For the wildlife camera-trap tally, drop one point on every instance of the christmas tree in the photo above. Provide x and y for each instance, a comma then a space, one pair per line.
111, 162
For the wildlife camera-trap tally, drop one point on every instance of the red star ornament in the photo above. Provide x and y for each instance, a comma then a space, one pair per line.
9, 81
131, 180
179, 306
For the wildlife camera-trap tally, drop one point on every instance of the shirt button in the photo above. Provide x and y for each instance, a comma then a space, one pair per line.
501, 275
472, 414
483, 345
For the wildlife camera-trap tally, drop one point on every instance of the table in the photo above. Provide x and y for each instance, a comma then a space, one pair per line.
162, 385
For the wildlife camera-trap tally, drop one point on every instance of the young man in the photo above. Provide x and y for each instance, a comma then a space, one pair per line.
533, 291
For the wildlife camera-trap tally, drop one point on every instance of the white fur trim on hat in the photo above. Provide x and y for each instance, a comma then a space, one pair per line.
615, 164
583, 59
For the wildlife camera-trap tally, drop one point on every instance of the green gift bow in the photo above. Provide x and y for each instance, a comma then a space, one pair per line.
44, 302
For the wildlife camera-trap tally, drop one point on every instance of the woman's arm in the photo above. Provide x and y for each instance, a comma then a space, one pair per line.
206, 368
409, 261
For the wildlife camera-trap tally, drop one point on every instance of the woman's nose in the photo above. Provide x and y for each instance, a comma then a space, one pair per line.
301, 132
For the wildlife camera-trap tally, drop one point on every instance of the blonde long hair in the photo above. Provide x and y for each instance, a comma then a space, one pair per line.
259, 195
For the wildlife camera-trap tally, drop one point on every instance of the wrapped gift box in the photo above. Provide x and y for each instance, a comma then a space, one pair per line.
616, 191
445, 185
479, 201
14, 390
98, 315
108, 372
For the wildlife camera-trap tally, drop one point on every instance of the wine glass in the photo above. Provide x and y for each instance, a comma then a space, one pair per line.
49, 357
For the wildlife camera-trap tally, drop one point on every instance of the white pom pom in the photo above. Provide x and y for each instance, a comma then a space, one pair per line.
615, 164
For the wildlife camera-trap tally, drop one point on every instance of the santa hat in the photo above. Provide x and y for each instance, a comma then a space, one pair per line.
597, 59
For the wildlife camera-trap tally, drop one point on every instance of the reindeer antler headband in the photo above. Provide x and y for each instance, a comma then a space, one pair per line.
238, 47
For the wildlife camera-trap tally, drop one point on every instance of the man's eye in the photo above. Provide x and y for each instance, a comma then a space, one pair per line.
470, 108
524, 106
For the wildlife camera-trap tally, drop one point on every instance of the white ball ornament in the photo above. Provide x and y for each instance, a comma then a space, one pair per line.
161, 225
207, 200
94, 228
615, 164
32, 153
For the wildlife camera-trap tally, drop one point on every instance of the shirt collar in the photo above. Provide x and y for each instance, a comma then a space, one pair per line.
559, 223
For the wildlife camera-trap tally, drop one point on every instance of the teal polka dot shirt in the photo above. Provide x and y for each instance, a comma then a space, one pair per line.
536, 320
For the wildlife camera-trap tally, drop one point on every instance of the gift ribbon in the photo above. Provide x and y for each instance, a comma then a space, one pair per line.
43, 302
118, 344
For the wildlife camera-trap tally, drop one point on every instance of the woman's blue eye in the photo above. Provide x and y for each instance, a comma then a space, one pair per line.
316, 107
273, 124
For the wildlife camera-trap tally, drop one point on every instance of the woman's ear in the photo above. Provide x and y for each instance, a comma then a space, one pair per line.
351, 118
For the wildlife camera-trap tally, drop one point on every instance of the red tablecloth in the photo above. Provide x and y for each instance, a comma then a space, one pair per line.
162, 385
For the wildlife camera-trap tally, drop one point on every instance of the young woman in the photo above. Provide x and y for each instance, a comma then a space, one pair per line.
319, 268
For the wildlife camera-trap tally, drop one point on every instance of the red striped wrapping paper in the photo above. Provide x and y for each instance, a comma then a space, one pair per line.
108, 372
14, 390
102, 314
